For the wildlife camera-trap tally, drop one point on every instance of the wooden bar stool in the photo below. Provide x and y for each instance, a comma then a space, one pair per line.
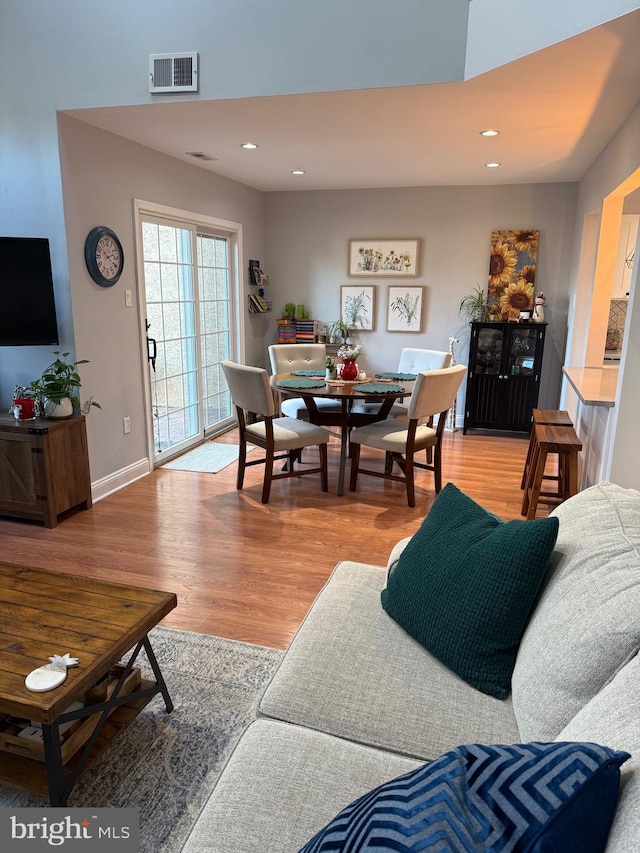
553, 417
564, 441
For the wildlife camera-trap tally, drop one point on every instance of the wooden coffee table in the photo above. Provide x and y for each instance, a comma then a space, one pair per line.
44, 613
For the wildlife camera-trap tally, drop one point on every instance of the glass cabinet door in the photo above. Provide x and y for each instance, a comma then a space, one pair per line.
521, 353
487, 355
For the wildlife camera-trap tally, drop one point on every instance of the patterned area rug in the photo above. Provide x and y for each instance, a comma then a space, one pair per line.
167, 764
207, 458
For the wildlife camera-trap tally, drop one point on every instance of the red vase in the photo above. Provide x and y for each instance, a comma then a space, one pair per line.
349, 369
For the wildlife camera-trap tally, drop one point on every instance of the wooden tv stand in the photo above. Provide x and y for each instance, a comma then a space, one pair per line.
44, 467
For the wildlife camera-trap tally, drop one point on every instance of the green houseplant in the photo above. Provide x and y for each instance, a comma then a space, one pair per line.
57, 390
338, 329
475, 306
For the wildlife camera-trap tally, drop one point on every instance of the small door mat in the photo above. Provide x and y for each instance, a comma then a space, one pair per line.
207, 458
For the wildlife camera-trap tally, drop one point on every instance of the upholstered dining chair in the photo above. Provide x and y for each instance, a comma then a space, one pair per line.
285, 358
433, 394
280, 438
412, 360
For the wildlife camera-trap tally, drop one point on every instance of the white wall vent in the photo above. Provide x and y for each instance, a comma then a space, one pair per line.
173, 72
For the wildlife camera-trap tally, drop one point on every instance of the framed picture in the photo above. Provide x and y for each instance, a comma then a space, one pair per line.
358, 306
399, 256
405, 309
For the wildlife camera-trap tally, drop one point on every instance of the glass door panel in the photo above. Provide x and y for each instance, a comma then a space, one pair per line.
522, 352
171, 322
488, 352
215, 326
189, 332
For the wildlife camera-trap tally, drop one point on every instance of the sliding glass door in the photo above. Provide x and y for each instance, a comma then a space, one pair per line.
188, 309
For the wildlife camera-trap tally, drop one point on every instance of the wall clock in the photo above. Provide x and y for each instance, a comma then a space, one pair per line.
103, 256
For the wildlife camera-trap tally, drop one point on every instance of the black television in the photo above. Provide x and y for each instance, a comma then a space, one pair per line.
27, 305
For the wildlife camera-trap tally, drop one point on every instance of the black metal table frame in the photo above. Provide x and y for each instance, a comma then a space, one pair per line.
59, 788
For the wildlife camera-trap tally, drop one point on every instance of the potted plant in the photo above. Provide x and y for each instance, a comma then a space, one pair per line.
475, 306
56, 391
338, 329
330, 368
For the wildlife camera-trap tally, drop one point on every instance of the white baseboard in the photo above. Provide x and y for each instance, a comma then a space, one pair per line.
119, 479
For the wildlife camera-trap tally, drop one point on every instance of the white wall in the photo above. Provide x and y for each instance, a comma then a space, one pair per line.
612, 440
102, 174
521, 28
306, 256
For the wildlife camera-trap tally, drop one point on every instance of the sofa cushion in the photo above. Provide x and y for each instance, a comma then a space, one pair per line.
341, 675
613, 717
526, 797
283, 783
585, 626
465, 584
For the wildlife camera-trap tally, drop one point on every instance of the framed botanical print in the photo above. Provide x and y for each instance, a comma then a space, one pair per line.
389, 258
358, 306
405, 309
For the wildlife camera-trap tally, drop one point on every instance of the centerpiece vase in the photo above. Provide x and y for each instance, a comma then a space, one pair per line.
349, 369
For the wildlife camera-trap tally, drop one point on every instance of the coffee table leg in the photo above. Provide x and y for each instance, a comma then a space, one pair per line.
53, 761
159, 679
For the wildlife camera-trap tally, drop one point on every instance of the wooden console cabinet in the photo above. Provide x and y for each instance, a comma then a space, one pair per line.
44, 467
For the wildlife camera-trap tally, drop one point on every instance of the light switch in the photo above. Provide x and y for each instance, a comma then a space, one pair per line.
127, 299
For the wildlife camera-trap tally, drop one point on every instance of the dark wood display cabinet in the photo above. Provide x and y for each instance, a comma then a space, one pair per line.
503, 380
44, 467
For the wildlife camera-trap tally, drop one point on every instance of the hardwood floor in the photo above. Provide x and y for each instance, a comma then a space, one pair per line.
244, 570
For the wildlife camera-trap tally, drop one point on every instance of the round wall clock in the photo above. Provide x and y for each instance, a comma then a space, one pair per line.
103, 256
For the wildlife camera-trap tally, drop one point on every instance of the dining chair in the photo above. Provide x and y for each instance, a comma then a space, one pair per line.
412, 360
285, 358
280, 438
433, 394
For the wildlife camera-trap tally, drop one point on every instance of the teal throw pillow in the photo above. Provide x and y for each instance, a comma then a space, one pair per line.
465, 585
525, 798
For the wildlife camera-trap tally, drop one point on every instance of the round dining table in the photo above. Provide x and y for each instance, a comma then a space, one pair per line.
347, 394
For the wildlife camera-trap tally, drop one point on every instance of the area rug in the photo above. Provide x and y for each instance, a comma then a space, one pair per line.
167, 764
207, 458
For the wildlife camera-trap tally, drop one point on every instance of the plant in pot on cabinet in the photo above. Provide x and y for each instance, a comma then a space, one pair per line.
475, 306
338, 329
57, 390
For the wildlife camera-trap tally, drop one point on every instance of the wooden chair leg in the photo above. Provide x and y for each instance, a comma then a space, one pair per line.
437, 467
388, 462
529, 459
572, 474
530, 474
408, 473
533, 494
355, 460
242, 462
268, 474
324, 476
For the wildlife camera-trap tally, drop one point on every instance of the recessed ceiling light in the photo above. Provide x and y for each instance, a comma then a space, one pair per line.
297, 172
248, 146
492, 165
489, 133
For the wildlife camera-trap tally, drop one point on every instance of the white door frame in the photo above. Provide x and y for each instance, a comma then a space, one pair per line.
143, 208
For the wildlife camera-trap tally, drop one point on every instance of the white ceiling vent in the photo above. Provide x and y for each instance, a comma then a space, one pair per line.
173, 72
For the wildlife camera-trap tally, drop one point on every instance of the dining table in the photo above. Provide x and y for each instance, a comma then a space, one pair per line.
383, 389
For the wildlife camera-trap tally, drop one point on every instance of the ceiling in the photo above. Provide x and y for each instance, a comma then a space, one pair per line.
555, 110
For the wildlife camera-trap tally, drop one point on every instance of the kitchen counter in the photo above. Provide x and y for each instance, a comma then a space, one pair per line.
596, 386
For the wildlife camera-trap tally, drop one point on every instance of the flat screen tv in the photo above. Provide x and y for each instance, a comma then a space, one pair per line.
27, 306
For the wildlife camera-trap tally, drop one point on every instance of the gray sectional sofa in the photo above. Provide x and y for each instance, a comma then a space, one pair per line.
356, 701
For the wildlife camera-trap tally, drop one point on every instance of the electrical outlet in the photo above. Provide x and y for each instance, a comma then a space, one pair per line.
126, 425
128, 301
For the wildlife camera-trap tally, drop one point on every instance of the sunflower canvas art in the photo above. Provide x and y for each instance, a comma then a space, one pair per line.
512, 272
